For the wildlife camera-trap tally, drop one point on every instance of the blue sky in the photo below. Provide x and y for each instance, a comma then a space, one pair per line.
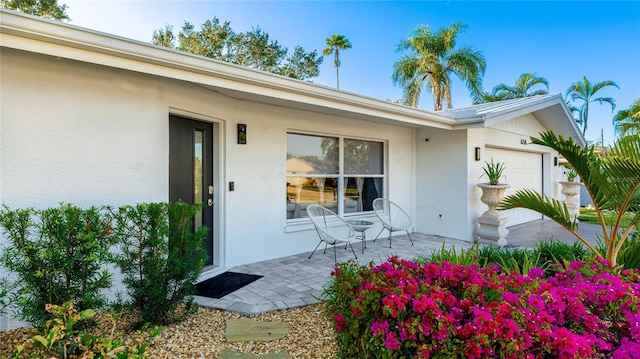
558, 40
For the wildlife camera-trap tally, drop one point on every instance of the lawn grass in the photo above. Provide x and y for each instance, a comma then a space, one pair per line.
590, 216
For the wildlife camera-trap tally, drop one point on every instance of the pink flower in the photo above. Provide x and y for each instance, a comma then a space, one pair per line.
391, 342
340, 322
510, 298
535, 273
379, 328
582, 311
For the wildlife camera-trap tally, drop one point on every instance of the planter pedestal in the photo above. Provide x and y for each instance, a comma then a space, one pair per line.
570, 190
492, 223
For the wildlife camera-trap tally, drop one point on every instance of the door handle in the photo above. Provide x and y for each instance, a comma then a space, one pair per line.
210, 202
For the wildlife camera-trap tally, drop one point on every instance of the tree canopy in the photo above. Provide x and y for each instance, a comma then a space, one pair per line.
431, 60
49, 9
254, 49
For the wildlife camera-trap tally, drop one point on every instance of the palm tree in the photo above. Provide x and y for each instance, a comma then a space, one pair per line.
431, 60
334, 44
485, 97
523, 88
627, 122
613, 183
585, 91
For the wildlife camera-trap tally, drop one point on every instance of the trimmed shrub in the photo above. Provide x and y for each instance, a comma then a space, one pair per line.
57, 255
161, 257
5, 294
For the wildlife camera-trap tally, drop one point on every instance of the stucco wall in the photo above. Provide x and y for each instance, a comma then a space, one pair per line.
442, 182
258, 204
447, 173
91, 135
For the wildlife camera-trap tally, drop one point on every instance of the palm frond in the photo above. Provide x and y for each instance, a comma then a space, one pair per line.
538, 92
608, 100
580, 158
546, 206
627, 121
549, 207
404, 70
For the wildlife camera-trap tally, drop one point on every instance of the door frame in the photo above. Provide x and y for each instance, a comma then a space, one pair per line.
219, 257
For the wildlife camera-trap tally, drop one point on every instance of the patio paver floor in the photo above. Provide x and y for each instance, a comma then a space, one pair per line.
296, 281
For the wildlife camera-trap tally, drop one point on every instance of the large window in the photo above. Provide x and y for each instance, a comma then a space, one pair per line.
342, 174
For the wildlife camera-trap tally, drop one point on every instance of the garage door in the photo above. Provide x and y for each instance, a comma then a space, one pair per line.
523, 170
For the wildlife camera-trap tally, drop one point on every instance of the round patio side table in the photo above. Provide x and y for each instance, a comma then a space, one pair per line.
361, 226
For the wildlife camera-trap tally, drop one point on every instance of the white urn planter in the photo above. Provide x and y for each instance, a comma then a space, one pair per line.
492, 223
571, 190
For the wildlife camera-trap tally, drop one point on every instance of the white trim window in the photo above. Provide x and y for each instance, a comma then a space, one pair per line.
340, 173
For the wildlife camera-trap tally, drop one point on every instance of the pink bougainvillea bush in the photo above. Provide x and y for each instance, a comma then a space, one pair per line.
402, 309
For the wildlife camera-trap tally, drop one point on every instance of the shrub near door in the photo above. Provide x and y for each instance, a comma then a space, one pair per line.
57, 255
161, 258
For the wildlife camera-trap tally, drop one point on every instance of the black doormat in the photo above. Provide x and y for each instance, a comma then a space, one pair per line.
223, 284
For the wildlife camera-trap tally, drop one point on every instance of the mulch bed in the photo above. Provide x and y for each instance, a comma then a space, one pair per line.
311, 335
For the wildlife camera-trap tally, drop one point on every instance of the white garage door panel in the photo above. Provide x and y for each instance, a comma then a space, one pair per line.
523, 170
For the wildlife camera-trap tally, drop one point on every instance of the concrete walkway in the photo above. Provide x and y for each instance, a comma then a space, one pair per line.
528, 234
297, 281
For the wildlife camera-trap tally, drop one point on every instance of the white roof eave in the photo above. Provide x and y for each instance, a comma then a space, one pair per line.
34, 34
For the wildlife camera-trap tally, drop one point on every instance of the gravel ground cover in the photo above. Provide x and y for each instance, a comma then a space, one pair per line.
310, 335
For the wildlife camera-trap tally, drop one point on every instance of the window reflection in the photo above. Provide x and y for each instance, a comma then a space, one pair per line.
363, 157
301, 192
314, 177
198, 179
359, 193
312, 154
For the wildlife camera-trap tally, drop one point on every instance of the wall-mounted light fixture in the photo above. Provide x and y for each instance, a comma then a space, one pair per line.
477, 153
555, 161
242, 134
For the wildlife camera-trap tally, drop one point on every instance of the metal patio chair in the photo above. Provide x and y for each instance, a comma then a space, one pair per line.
392, 217
332, 229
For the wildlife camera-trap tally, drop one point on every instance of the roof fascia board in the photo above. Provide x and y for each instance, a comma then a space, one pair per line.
497, 116
29, 33
569, 124
476, 123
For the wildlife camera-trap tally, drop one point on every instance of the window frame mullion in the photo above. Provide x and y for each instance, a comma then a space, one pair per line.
340, 197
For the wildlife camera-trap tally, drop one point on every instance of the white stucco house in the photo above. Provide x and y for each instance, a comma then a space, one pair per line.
94, 119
